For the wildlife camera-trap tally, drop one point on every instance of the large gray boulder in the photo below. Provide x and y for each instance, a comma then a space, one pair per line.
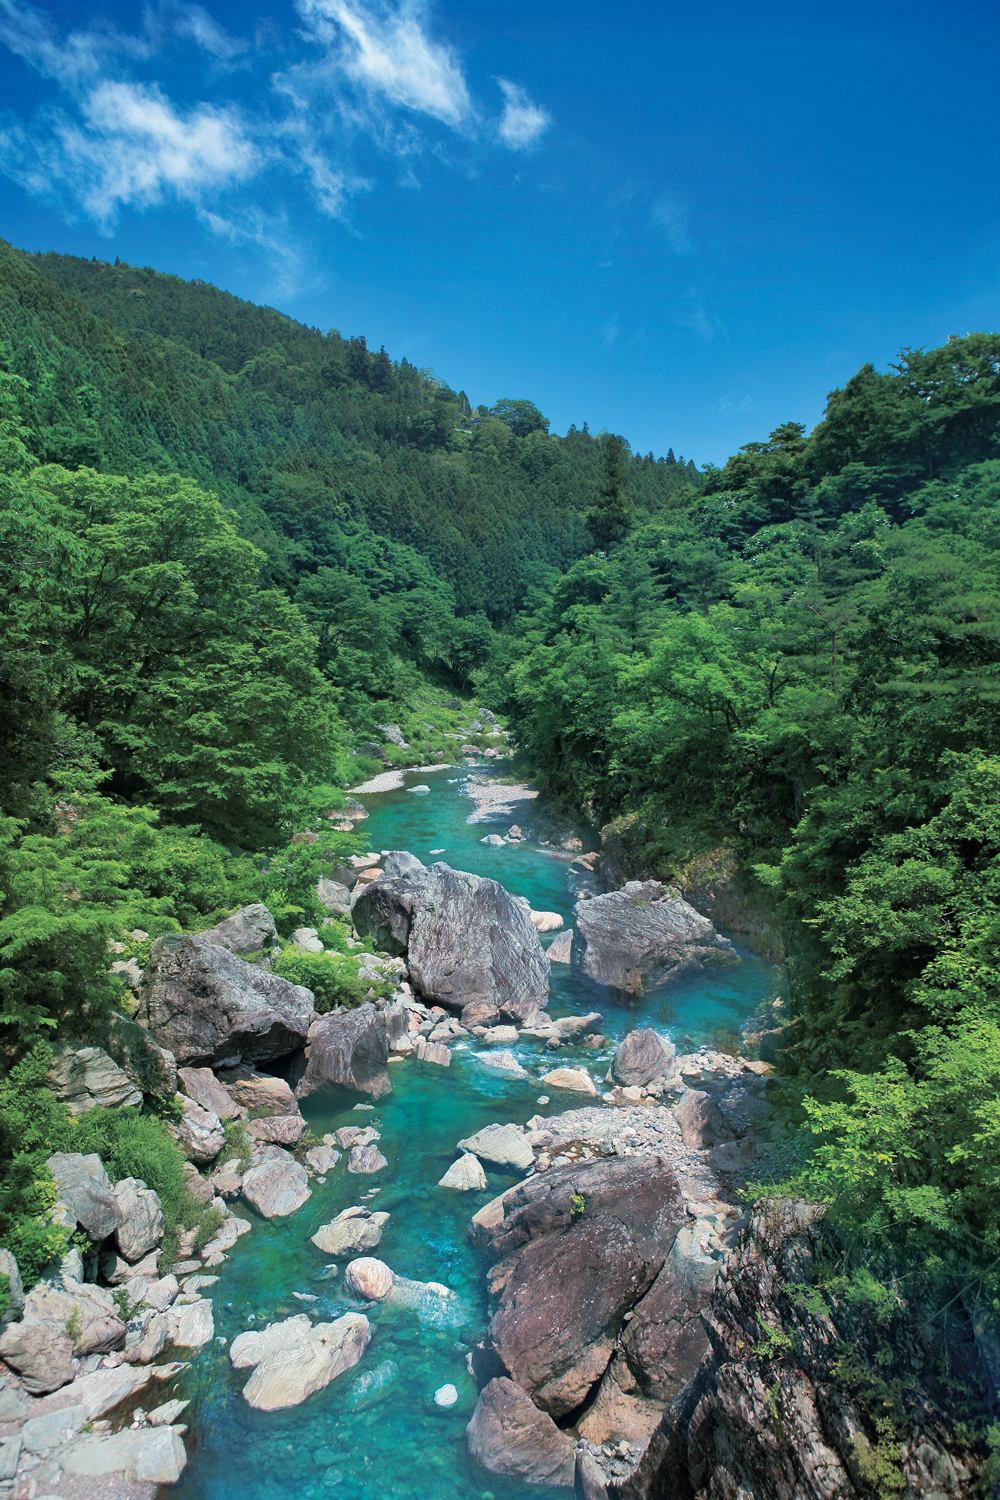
85, 1188
84, 1077
641, 1057
351, 1233
41, 1355
350, 1049
276, 1185
85, 1313
209, 1007
143, 1223
641, 937
508, 1435
249, 930
464, 938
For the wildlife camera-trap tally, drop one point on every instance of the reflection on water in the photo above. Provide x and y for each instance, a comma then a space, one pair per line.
376, 1432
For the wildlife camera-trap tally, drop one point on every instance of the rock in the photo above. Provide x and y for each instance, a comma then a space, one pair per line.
576, 1080
128, 969
559, 950
103, 1390
277, 1186
231, 1231
515, 835
334, 896
503, 1145
355, 810
392, 734
161, 1294
465, 1175
41, 1355
502, 1062
400, 862
308, 939
117, 1271
589, 1481
282, 1130
582, 881
142, 1224
641, 1057
85, 1188
546, 921
193, 1324
198, 1185
227, 1180
574, 1028
364, 1160
259, 1091
350, 1050
502, 1035
249, 930
771, 1043
641, 936
150, 1455
15, 1290
87, 1311
432, 1052
665, 1340
167, 1414
200, 1132
351, 1232
356, 1135
464, 938
618, 1413
201, 1085
369, 1278
322, 1158
10, 1453
288, 1375
248, 1349
479, 1013
508, 1435
39, 1434
87, 1077
446, 1395
210, 1007
700, 1119
494, 840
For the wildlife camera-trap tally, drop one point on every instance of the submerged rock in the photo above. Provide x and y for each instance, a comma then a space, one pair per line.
642, 936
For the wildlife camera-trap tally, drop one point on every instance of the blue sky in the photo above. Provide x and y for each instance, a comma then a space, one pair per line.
685, 224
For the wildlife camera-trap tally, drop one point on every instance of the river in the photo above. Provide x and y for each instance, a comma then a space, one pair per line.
404, 1446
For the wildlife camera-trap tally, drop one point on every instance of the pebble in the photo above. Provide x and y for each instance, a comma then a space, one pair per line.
445, 1395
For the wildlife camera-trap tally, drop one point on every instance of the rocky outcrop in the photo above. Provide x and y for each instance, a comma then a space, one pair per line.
465, 939
249, 930
580, 1245
768, 1414
211, 1008
350, 1049
641, 1057
86, 1077
508, 1435
642, 936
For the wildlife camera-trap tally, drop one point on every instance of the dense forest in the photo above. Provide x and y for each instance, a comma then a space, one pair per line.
231, 545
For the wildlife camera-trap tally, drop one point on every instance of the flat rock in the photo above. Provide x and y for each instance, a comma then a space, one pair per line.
508, 1435
350, 1050
576, 1080
289, 1375
640, 937
152, 1455
502, 1145
465, 1175
350, 1233
356, 1135
700, 1119
277, 1186
210, 1007
85, 1187
641, 1057
201, 1085
248, 1349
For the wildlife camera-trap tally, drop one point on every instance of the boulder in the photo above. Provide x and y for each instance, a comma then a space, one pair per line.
640, 937
288, 1375
546, 921
227, 1179
258, 1091
81, 1311
502, 1145
308, 939
574, 1080
364, 1160
665, 1340
369, 1278
249, 930
465, 1175
479, 1013
400, 862
85, 1188
503, 1061
351, 1050
41, 1355
277, 1186
201, 1085
152, 1455
508, 1435
350, 1233
193, 1324
641, 1057
432, 1052
87, 1077
465, 938
142, 1225
560, 949
356, 1135
248, 1349
700, 1119
15, 1290
322, 1159
210, 1007
334, 896
200, 1132
282, 1130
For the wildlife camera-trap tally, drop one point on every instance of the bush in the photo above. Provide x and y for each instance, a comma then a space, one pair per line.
132, 1144
332, 978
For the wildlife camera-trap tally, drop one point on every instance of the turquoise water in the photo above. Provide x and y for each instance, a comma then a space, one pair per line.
397, 1443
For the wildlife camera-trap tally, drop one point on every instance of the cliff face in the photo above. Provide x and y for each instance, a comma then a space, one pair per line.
811, 1392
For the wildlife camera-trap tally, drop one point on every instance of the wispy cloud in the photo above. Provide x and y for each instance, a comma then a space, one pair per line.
693, 314
674, 218
522, 123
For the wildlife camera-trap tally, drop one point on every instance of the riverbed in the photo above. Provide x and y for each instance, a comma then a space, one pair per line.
398, 1443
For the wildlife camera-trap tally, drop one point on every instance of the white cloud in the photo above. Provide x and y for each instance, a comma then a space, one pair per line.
673, 217
522, 123
388, 54
694, 315
193, 24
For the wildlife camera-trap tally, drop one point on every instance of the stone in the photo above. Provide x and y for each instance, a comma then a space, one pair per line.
210, 1007
55, 1427
576, 1080
201, 1085
227, 1180
500, 1035
232, 1230
161, 1294
369, 1278
495, 840
103, 1390
356, 1135
508, 1435
88, 1310
116, 1271
351, 1232
308, 939
193, 1324
249, 930
199, 1132
151, 1455
334, 896
142, 1225
167, 1414
665, 1340
546, 921
502, 1145
393, 735
465, 939
573, 1028
640, 937
10, 1453
350, 1050
277, 1186
281, 1130
87, 1077
479, 1013
289, 1375
15, 1290
322, 1158
85, 1188
364, 1160
400, 862
590, 1479
641, 1057
128, 969
432, 1052
41, 1355
560, 949
248, 1349
251, 1090
503, 1061
616, 1413
700, 1119
446, 1395
465, 1175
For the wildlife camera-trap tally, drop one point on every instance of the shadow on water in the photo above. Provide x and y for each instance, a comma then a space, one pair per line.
389, 1439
